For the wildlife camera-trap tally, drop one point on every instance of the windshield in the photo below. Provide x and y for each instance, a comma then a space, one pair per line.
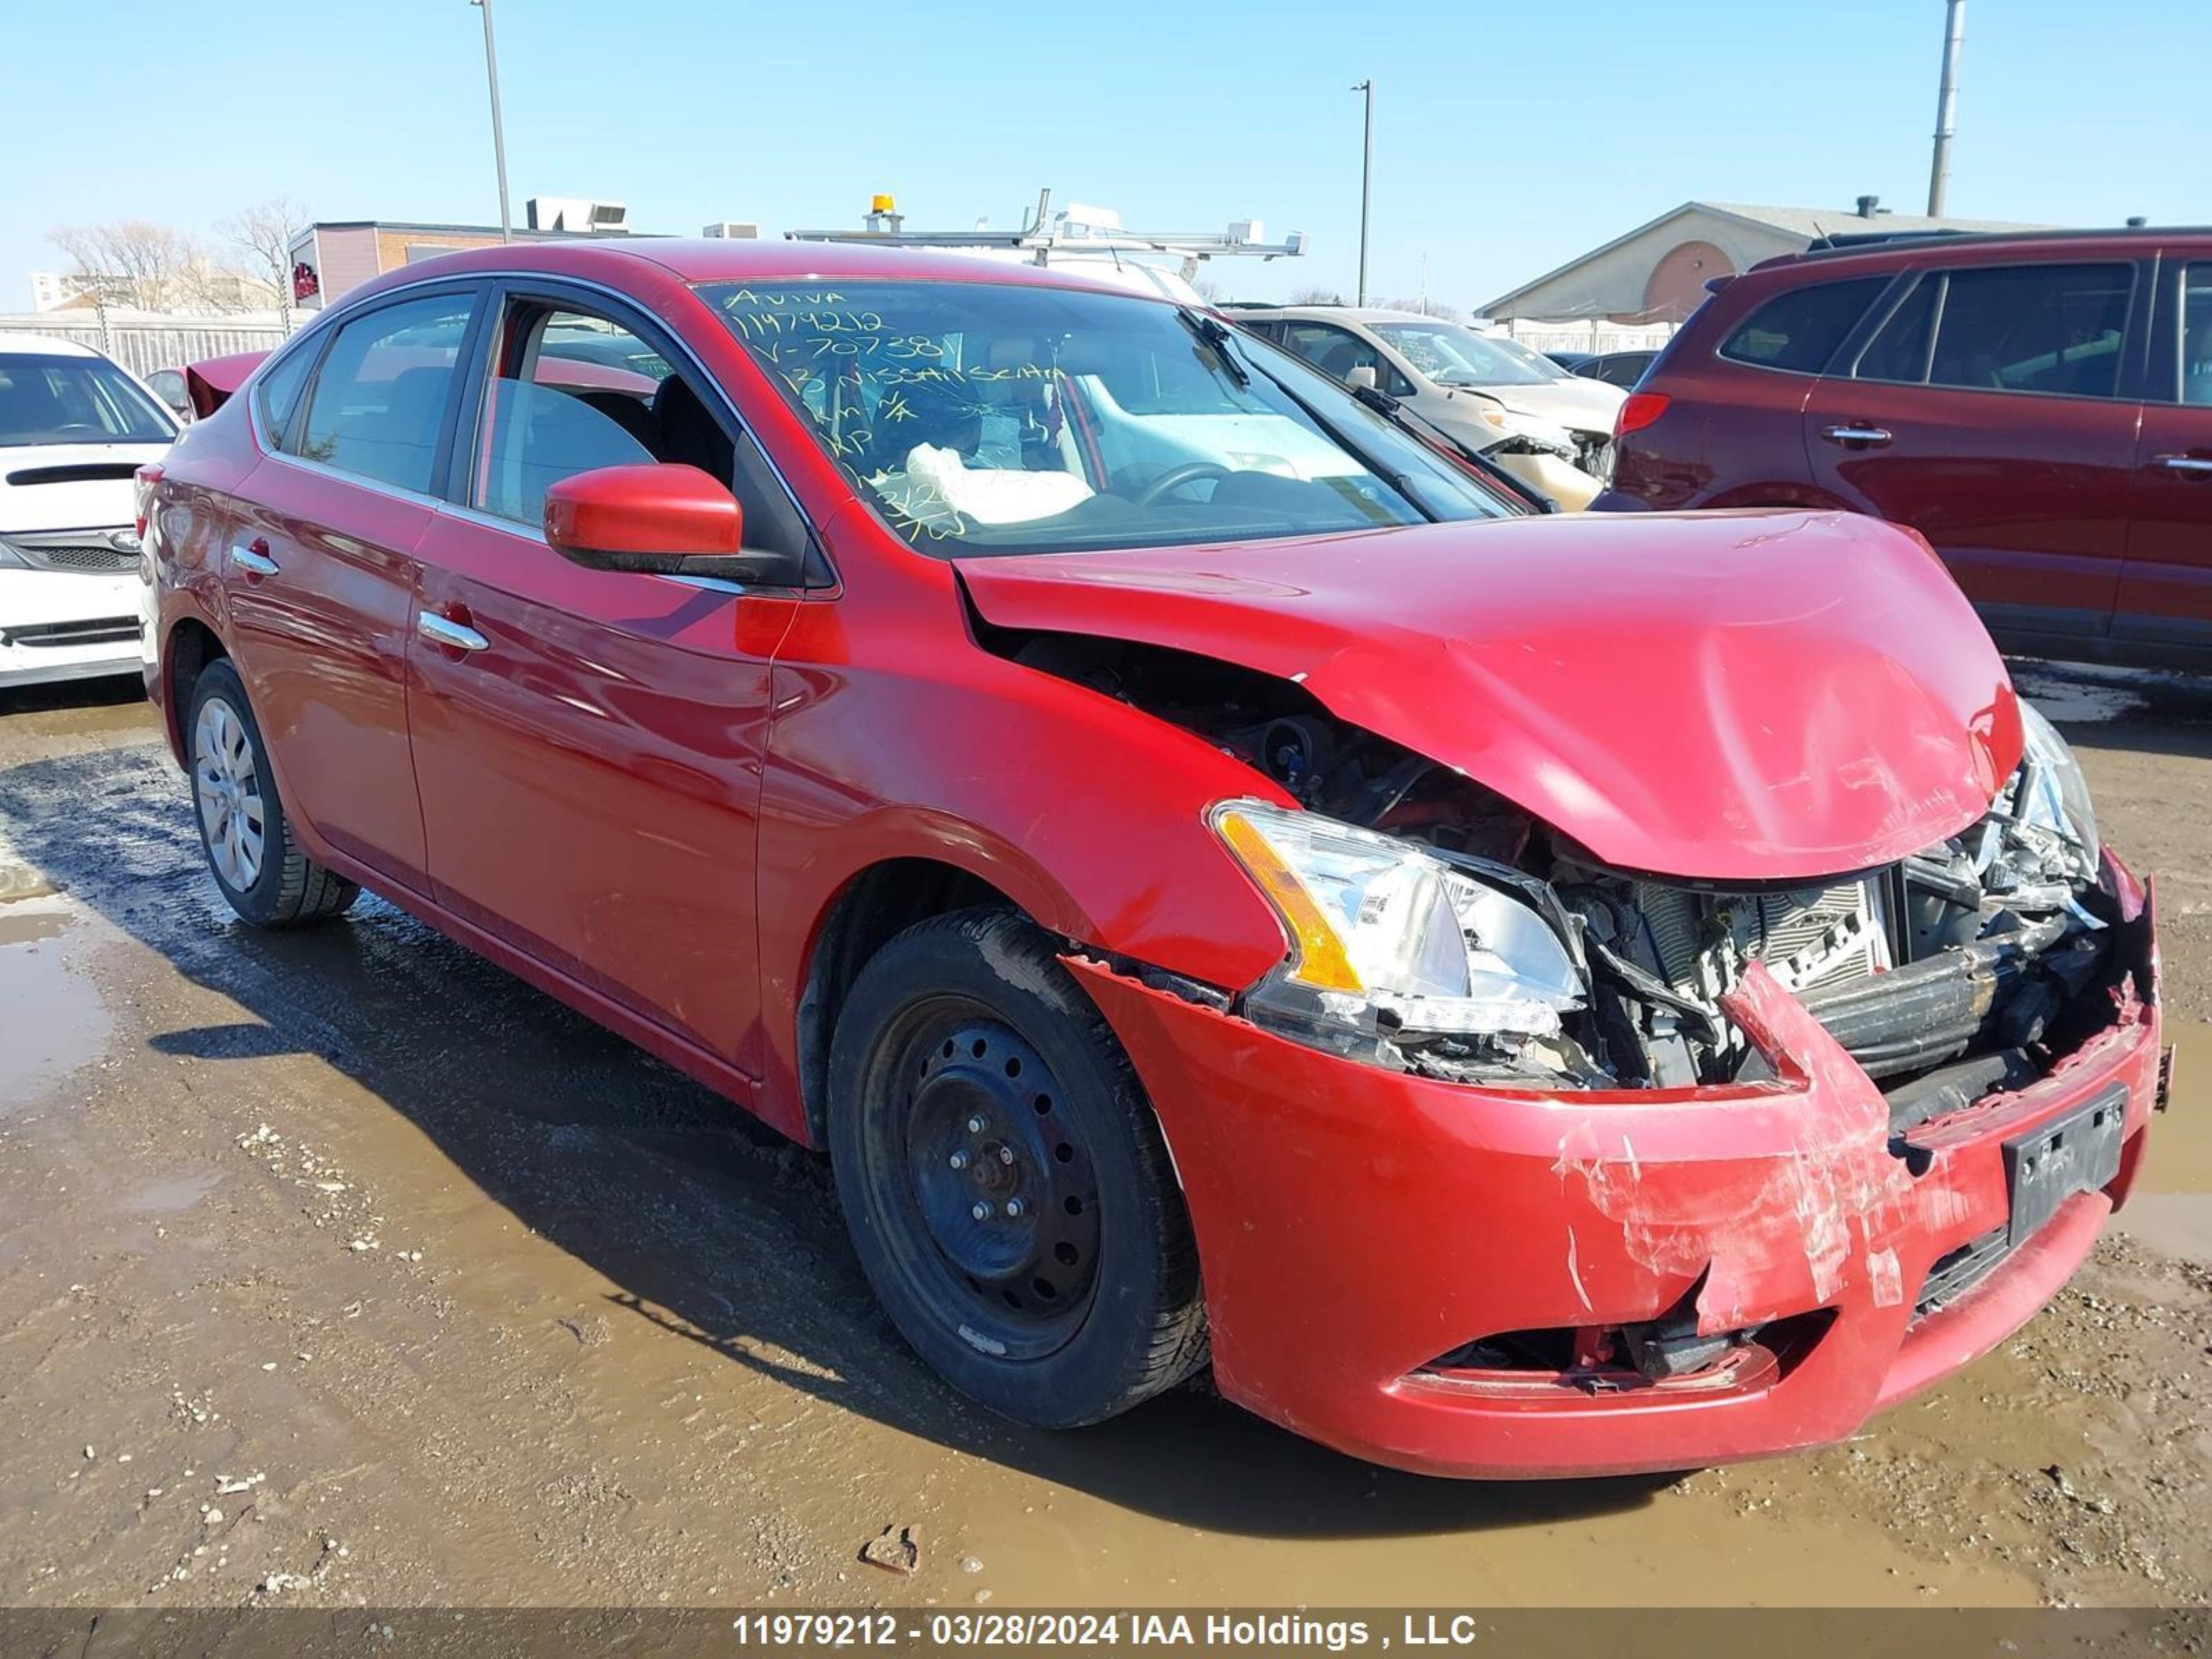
989, 417
1452, 356
74, 400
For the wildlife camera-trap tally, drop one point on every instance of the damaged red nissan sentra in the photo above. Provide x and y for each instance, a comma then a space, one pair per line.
1226, 883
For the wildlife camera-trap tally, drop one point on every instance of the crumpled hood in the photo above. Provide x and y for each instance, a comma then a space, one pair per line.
1731, 696
1579, 405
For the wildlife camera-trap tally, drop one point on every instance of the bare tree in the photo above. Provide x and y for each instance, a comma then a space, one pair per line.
1317, 296
129, 261
264, 234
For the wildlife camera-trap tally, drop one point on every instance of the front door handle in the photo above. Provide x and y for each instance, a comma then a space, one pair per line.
444, 631
2196, 465
254, 561
1855, 435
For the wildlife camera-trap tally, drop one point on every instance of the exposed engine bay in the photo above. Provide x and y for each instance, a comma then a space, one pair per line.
1961, 970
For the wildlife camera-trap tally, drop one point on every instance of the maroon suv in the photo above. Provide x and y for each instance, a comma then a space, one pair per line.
2038, 406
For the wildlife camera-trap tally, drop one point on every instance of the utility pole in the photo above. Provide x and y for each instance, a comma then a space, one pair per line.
1366, 181
498, 132
1946, 107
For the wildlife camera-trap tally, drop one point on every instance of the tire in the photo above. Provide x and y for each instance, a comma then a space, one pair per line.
1078, 1296
265, 878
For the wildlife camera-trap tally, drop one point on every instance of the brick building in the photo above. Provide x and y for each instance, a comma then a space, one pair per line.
329, 258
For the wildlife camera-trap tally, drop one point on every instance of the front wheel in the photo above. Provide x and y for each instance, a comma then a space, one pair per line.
1004, 1180
251, 851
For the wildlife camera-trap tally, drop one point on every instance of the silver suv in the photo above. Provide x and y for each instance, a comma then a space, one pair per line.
1492, 393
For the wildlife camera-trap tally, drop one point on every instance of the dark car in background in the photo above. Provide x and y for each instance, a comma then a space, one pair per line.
1621, 368
2038, 405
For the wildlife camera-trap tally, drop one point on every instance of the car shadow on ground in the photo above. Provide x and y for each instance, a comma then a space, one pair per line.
711, 1226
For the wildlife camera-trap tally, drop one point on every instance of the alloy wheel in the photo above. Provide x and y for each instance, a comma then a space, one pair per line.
228, 785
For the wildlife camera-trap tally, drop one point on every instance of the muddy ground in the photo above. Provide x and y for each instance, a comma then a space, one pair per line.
343, 1268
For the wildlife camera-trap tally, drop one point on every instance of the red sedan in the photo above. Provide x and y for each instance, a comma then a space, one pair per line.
1225, 883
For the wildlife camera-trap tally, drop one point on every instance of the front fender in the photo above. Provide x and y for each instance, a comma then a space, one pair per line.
1086, 813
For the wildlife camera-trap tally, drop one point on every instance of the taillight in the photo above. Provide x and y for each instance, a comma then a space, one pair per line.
149, 477
1641, 408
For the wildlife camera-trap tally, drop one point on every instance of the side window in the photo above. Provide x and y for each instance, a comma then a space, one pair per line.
574, 392
1898, 351
380, 394
2196, 342
1334, 351
2052, 328
279, 392
1800, 331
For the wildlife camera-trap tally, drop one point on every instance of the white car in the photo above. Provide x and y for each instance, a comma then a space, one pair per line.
73, 429
1492, 393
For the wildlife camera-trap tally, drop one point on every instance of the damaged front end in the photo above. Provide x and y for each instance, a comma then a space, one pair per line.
1437, 929
1609, 1138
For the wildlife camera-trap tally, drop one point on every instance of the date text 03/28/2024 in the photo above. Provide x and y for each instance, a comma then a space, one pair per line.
1261, 1632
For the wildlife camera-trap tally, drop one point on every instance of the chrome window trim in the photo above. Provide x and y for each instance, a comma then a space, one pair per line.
441, 503
331, 318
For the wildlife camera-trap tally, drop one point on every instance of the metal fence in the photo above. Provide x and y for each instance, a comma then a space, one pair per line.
142, 345
1590, 334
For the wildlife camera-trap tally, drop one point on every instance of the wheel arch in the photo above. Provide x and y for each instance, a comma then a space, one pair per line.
872, 907
186, 650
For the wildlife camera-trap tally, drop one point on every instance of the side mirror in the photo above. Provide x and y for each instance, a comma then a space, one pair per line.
1362, 378
662, 518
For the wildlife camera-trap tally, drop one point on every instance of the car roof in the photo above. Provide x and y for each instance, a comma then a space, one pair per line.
1875, 250
1341, 314
713, 259
45, 345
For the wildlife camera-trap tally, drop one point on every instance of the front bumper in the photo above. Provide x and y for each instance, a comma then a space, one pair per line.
63, 626
1354, 1224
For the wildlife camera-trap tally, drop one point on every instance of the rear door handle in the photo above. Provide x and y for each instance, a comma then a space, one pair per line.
444, 631
1855, 435
2192, 464
254, 561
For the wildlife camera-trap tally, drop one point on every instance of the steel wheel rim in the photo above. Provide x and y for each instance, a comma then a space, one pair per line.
989, 1132
227, 784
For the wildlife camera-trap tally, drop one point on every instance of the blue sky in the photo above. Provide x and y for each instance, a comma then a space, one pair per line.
1508, 138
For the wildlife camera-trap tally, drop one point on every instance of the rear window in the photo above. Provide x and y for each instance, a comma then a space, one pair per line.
1800, 331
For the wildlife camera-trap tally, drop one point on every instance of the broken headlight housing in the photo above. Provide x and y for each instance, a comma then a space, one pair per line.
2050, 801
1394, 949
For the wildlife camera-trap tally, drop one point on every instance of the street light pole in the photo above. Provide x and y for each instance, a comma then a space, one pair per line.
498, 131
1946, 107
1366, 181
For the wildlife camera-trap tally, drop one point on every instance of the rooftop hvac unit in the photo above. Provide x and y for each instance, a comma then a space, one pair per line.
578, 214
736, 230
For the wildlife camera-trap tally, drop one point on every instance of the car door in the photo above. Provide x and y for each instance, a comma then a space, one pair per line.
588, 743
2165, 585
1993, 409
319, 575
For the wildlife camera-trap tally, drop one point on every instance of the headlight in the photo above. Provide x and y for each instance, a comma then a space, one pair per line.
1389, 944
2050, 798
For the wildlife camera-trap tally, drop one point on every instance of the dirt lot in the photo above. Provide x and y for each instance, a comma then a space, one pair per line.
343, 1268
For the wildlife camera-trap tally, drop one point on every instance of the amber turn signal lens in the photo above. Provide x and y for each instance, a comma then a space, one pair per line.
1321, 961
